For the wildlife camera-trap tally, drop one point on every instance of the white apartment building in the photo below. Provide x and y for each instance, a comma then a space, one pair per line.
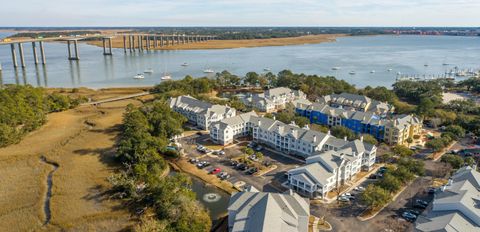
225, 131
327, 170
273, 99
200, 113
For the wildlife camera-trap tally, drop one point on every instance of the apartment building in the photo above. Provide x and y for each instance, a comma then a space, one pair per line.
456, 206
273, 99
200, 113
252, 210
357, 103
327, 170
393, 129
226, 130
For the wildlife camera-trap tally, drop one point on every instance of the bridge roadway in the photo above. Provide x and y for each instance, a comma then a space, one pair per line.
131, 41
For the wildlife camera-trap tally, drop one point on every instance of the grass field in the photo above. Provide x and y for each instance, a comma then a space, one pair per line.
85, 158
117, 42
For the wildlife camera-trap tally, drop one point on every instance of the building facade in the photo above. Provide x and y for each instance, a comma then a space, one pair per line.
254, 211
226, 130
330, 169
392, 129
273, 99
200, 113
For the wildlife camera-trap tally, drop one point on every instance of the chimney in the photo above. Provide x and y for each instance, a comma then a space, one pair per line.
361, 138
328, 133
314, 138
259, 122
345, 138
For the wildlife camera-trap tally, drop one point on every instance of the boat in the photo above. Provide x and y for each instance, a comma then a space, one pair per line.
185, 64
208, 70
352, 73
166, 77
139, 76
373, 71
399, 73
445, 64
267, 69
336, 68
426, 65
389, 69
148, 71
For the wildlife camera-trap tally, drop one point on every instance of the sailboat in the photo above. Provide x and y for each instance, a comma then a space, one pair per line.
166, 76
149, 70
185, 64
208, 70
139, 76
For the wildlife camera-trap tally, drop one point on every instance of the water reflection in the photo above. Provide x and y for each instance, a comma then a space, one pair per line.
45, 78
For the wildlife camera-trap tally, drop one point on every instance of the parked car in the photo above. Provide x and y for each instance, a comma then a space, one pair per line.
233, 163
193, 160
432, 190
420, 206
223, 175
258, 148
359, 189
422, 202
252, 171
412, 211
252, 145
344, 199
409, 216
203, 164
372, 176
221, 152
242, 166
215, 171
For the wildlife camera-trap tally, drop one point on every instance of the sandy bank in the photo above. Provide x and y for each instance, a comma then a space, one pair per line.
117, 42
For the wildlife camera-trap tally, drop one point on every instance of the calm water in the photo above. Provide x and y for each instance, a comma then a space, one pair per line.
405, 54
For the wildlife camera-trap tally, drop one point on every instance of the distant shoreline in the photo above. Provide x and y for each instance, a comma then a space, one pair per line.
117, 42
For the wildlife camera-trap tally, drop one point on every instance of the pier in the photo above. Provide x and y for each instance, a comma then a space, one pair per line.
144, 42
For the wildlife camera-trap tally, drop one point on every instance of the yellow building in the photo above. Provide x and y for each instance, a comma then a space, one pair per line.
399, 129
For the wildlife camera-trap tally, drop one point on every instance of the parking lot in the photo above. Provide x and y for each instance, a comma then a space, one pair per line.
268, 182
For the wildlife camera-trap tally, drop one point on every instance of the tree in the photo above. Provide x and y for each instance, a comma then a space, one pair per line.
403, 174
249, 151
389, 183
454, 160
402, 150
259, 155
301, 121
341, 132
412, 165
321, 128
456, 130
469, 161
375, 196
368, 138
426, 107
436, 144
251, 78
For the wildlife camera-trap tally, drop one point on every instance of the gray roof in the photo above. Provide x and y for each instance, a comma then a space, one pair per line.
314, 172
239, 119
252, 211
457, 206
356, 101
192, 104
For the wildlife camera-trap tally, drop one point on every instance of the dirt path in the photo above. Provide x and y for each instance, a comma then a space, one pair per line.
84, 155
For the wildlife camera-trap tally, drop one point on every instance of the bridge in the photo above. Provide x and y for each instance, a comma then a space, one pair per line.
131, 42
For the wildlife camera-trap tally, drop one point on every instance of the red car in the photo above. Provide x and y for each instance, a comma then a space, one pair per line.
215, 171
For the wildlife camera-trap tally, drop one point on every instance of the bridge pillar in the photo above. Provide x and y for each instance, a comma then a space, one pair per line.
22, 58
139, 42
75, 49
130, 43
155, 42
42, 53
34, 48
14, 55
105, 51
178, 39
161, 41
132, 37
125, 44
148, 42
173, 40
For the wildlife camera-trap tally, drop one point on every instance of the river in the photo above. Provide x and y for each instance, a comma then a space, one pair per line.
408, 54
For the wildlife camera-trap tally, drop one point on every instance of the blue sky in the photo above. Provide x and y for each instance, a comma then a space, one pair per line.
240, 13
